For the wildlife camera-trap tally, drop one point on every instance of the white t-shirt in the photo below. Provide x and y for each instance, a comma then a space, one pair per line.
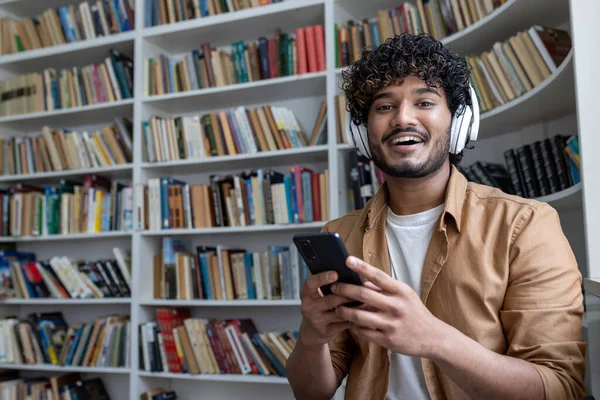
408, 238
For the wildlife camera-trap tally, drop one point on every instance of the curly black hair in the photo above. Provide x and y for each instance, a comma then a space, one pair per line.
397, 58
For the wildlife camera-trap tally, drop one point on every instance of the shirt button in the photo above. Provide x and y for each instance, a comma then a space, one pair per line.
370, 254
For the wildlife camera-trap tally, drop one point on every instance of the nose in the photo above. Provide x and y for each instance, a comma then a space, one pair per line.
405, 116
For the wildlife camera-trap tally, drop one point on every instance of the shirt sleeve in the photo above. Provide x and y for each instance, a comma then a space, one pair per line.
543, 304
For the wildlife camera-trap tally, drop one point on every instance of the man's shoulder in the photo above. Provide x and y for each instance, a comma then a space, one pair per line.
493, 201
488, 196
344, 224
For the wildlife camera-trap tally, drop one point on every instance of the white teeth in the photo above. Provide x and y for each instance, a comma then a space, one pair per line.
404, 139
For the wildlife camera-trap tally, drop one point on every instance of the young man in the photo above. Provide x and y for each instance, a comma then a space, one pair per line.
471, 293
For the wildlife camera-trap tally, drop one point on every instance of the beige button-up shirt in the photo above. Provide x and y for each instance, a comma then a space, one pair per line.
499, 269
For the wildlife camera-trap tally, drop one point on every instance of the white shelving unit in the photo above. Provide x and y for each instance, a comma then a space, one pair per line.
516, 122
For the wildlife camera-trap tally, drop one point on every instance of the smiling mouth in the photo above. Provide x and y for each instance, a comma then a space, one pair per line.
405, 141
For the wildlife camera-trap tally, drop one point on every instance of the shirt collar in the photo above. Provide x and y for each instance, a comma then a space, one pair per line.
455, 196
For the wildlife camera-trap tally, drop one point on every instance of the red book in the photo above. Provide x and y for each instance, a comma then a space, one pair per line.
301, 48
237, 326
316, 196
320, 46
167, 319
273, 58
311, 48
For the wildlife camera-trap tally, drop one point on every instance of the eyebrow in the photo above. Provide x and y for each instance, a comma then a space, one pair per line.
426, 89
417, 91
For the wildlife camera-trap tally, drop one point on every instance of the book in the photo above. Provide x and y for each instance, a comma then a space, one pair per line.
67, 24
212, 346
184, 272
242, 61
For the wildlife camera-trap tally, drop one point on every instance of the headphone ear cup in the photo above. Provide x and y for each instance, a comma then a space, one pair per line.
357, 136
454, 132
474, 132
462, 129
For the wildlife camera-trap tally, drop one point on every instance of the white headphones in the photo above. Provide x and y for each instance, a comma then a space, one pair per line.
465, 124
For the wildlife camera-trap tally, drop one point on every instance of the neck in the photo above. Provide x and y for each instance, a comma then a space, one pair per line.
414, 195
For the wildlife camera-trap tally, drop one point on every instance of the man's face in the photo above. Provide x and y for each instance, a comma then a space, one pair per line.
409, 129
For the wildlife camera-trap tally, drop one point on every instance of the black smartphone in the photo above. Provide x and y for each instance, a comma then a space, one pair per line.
325, 251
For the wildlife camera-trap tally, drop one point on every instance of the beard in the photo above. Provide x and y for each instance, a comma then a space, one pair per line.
408, 169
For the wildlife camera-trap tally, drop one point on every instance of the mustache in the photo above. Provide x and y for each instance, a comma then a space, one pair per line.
387, 136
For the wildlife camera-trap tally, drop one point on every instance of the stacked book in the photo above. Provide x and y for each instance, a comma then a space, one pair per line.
67, 24
177, 343
95, 205
533, 170
63, 149
258, 197
224, 273
244, 61
46, 338
440, 18
342, 119
158, 393
22, 276
364, 180
234, 131
517, 65
59, 387
161, 12
108, 81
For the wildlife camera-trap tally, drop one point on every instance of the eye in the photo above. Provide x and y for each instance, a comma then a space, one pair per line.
425, 103
384, 107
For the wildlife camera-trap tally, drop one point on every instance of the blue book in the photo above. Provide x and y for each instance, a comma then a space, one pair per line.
288, 197
248, 269
307, 195
165, 181
68, 30
272, 359
74, 345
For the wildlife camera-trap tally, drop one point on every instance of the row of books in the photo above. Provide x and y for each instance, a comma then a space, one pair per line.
46, 338
95, 205
244, 61
517, 65
177, 343
224, 273
63, 149
67, 24
23, 276
251, 198
238, 130
58, 387
440, 18
544, 167
364, 180
111, 80
161, 12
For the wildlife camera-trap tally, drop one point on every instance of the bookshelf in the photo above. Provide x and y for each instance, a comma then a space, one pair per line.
532, 116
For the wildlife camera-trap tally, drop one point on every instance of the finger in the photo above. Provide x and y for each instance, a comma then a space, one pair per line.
333, 300
374, 287
365, 295
370, 335
330, 318
313, 282
337, 327
362, 318
372, 274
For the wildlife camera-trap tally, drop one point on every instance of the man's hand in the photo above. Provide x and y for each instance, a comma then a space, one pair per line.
320, 324
392, 316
